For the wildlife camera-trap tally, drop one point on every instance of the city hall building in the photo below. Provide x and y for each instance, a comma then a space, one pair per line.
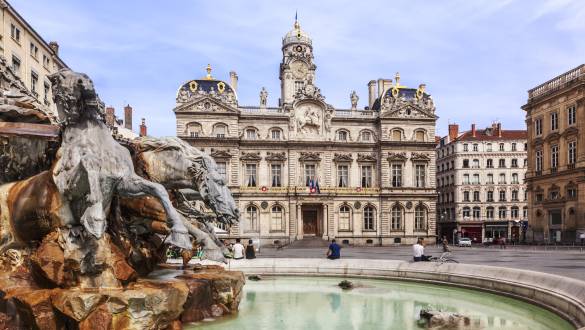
307, 169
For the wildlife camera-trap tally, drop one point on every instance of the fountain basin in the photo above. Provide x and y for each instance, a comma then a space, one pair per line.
563, 296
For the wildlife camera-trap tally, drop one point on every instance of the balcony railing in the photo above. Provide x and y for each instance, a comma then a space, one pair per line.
355, 113
557, 82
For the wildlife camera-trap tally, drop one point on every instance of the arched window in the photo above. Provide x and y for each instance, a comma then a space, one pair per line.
252, 218
194, 130
276, 134
220, 130
420, 217
489, 213
396, 217
515, 212
466, 211
251, 134
276, 219
344, 218
502, 212
369, 218
419, 136
342, 135
366, 136
396, 135
476, 212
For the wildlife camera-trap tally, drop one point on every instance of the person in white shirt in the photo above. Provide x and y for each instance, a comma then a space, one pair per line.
418, 251
238, 250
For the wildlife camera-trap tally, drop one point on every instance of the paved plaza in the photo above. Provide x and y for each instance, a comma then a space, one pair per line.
559, 261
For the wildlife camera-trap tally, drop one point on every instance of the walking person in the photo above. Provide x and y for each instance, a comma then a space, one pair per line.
238, 250
445, 245
250, 250
334, 251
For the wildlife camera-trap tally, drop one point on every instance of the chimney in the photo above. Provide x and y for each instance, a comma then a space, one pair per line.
499, 130
234, 80
54, 47
143, 127
110, 116
387, 84
128, 117
372, 93
453, 132
473, 130
380, 87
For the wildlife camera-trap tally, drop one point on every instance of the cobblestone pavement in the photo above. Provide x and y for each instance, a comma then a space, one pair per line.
570, 263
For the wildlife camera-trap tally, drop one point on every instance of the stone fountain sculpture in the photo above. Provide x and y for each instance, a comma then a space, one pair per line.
79, 236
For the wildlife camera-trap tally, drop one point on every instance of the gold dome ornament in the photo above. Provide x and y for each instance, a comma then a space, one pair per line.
208, 69
420, 91
396, 87
193, 86
221, 87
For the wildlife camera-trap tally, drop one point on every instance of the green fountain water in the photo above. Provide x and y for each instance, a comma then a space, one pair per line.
317, 303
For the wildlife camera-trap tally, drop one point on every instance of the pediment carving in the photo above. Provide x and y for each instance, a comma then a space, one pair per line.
408, 111
206, 104
420, 157
397, 156
251, 156
221, 154
367, 158
275, 156
571, 131
538, 141
310, 157
553, 136
342, 158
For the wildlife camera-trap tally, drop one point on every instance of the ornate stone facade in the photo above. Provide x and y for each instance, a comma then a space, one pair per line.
555, 116
305, 168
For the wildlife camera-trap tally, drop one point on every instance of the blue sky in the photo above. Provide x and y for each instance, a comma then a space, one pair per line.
478, 58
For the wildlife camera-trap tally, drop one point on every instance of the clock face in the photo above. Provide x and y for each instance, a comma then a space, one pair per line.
299, 69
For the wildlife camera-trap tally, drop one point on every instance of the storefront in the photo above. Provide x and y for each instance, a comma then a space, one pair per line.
496, 230
471, 231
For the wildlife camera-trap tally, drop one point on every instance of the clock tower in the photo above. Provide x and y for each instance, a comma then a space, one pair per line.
296, 69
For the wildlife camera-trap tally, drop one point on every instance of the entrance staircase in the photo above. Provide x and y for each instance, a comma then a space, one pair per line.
309, 242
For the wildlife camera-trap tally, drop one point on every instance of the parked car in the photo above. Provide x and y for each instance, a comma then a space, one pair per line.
464, 241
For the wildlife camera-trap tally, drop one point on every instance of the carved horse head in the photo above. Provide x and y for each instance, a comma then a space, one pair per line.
75, 96
175, 164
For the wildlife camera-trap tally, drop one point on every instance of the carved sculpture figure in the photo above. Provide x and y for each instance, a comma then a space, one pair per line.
92, 167
75, 237
263, 97
354, 100
183, 95
309, 121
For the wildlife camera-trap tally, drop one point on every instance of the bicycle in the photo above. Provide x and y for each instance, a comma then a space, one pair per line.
446, 257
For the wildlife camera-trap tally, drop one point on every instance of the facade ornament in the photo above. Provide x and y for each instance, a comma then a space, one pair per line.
251, 156
263, 97
420, 157
309, 91
275, 156
220, 154
354, 100
397, 156
342, 157
366, 158
183, 95
310, 156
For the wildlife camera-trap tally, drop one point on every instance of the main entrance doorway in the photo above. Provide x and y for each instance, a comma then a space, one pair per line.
311, 215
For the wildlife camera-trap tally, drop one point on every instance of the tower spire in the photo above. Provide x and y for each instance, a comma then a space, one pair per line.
297, 25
